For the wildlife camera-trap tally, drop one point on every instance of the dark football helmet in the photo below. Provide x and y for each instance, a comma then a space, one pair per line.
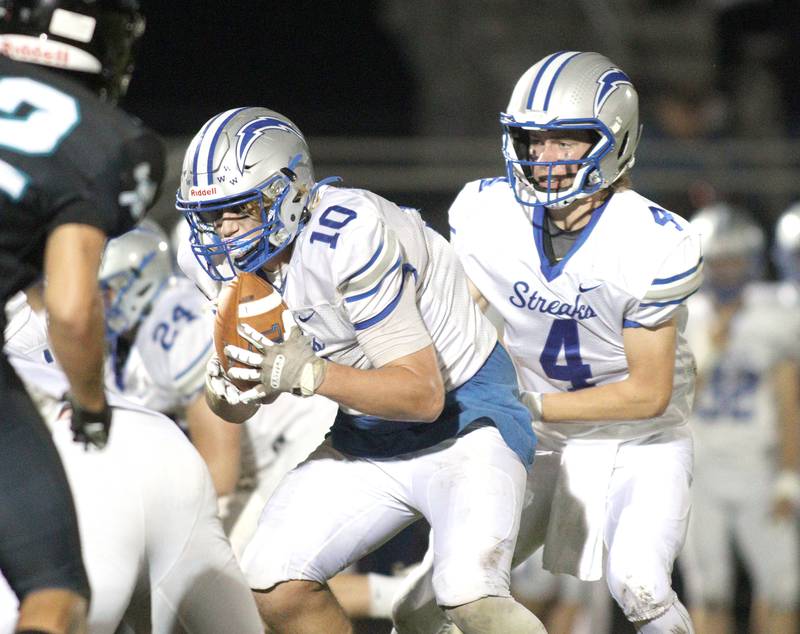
92, 40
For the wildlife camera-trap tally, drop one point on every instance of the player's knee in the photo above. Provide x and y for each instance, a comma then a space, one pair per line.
641, 595
494, 614
284, 601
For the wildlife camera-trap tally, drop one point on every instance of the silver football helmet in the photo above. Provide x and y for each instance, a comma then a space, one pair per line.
786, 250
571, 91
733, 248
239, 159
135, 268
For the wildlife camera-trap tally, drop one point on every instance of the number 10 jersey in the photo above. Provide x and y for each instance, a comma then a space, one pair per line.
634, 265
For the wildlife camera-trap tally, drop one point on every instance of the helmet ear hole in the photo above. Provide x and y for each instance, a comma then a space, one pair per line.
624, 145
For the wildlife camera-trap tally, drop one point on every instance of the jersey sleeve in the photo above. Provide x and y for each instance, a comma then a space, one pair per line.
377, 285
116, 199
371, 277
678, 277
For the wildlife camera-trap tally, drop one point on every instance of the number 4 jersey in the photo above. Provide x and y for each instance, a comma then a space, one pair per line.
634, 265
65, 157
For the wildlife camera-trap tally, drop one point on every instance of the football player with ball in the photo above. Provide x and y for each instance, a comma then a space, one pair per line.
429, 423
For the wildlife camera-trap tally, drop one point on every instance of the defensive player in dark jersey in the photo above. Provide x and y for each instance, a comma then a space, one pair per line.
74, 170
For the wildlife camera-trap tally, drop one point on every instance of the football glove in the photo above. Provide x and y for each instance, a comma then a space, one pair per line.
89, 428
218, 384
533, 401
291, 366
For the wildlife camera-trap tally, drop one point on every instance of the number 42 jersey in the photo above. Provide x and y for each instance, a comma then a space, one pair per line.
634, 265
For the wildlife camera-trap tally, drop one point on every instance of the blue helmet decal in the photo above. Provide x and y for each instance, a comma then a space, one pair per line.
608, 82
252, 130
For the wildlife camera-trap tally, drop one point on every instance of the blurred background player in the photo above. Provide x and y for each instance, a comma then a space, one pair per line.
786, 251
591, 280
73, 170
746, 490
429, 423
159, 330
154, 548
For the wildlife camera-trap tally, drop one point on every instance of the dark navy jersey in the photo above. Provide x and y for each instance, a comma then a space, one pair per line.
65, 157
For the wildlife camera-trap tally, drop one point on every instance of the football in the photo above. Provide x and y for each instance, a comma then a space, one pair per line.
250, 300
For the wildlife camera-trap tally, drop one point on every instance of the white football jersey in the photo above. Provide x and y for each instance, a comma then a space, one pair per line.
735, 413
634, 265
165, 367
349, 266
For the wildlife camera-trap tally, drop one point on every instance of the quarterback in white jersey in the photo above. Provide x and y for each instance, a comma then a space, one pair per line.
429, 423
746, 485
146, 510
591, 280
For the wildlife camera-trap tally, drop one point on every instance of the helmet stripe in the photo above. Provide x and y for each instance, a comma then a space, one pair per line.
197, 150
539, 97
210, 165
203, 136
539, 77
555, 77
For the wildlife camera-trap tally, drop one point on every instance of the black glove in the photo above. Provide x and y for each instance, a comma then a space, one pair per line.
90, 428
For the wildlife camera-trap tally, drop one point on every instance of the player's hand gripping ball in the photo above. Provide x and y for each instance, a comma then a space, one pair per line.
250, 300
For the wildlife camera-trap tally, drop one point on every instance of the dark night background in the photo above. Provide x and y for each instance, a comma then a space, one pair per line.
329, 66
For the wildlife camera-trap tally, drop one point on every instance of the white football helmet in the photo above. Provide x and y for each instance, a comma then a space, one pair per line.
733, 248
239, 156
135, 268
786, 251
570, 91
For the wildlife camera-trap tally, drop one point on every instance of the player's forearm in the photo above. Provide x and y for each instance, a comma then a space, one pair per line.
78, 343
75, 309
392, 392
626, 400
218, 442
786, 381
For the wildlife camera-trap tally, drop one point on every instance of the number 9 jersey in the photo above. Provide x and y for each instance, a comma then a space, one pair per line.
634, 265
65, 157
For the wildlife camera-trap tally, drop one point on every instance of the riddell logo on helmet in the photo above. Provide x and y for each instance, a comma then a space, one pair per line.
203, 191
34, 53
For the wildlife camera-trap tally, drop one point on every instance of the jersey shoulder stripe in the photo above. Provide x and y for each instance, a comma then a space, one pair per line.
368, 279
679, 285
383, 314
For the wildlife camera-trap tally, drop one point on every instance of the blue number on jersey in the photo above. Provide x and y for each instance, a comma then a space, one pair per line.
662, 217
332, 219
165, 334
36, 133
729, 394
564, 335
